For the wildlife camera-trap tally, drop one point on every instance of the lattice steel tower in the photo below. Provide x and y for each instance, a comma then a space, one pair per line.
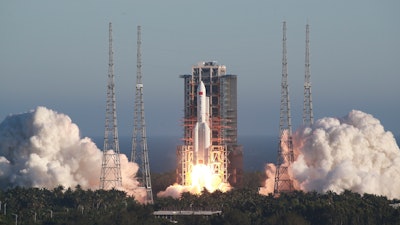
283, 183
111, 167
140, 152
308, 117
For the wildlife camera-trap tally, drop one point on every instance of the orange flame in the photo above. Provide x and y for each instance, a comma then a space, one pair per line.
203, 177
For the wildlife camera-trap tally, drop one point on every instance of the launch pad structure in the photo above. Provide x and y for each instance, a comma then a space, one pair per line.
111, 166
308, 115
225, 155
140, 152
283, 181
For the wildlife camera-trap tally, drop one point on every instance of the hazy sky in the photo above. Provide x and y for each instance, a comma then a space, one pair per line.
55, 54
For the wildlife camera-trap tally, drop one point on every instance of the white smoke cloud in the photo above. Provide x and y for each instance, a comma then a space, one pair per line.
350, 153
268, 187
43, 148
175, 191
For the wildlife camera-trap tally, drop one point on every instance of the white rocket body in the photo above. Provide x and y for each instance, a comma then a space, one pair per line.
201, 132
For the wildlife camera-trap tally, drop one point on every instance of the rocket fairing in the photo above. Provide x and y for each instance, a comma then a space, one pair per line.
201, 131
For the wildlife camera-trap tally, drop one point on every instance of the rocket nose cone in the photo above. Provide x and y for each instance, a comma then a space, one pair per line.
201, 87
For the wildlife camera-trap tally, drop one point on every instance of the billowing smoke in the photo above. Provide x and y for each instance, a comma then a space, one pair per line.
268, 187
350, 153
176, 190
43, 148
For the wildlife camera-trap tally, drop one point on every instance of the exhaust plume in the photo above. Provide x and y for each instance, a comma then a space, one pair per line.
350, 153
43, 148
202, 178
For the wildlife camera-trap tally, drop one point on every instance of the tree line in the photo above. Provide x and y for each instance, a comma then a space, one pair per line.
239, 206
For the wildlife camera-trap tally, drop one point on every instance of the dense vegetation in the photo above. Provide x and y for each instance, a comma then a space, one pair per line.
240, 206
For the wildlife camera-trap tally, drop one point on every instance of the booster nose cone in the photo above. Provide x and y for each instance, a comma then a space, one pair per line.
201, 102
201, 89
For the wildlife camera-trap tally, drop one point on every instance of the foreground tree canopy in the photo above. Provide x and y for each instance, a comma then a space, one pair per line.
240, 206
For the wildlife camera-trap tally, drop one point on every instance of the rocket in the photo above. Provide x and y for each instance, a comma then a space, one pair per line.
201, 131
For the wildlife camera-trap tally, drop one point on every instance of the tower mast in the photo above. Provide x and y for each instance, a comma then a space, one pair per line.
308, 117
139, 140
111, 167
283, 183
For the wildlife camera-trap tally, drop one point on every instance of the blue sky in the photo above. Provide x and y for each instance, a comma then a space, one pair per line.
55, 54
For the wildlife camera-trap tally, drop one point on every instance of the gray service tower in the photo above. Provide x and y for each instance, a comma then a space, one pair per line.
226, 156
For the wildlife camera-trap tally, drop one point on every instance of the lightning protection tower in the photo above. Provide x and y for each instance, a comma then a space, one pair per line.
283, 183
308, 117
140, 152
111, 167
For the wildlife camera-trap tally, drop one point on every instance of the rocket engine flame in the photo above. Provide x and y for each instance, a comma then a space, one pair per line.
350, 153
202, 178
43, 148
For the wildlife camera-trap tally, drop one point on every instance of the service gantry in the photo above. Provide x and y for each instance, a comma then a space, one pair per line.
226, 153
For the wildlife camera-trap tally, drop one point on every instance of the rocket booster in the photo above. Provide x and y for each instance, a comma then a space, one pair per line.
201, 132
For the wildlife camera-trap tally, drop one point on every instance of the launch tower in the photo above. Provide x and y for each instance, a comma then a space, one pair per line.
111, 167
308, 117
140, 152
225, 153
283, 183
